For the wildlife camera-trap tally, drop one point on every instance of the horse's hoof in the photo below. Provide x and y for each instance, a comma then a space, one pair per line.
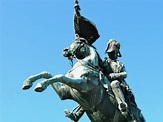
25, 87
39, 88
67, 113
70, 115
27, 84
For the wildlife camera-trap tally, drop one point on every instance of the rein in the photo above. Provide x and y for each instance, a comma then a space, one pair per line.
71, 62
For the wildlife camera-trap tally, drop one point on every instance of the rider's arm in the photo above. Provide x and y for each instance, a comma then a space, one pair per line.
119, 76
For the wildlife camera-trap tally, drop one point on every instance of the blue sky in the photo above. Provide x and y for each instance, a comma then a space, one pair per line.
33, 34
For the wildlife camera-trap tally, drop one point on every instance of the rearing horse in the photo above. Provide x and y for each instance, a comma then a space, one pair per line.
84, 83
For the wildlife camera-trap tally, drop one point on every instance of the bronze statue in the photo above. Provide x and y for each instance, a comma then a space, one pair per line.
95, 85
84, 83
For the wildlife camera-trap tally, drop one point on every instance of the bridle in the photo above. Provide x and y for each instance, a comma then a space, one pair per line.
79, 51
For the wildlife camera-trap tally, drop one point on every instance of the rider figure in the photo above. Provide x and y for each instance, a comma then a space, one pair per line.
115, 71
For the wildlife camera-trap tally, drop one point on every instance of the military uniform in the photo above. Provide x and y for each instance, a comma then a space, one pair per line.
115, 71
117, 68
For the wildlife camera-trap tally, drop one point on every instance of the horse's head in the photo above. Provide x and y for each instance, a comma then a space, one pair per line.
78, 49
82, 50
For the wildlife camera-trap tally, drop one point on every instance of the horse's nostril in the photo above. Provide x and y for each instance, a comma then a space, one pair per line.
66, 53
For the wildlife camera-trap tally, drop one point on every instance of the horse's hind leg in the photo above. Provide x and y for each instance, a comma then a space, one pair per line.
29, 81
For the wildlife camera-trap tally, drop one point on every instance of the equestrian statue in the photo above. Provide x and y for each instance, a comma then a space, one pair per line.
97, 85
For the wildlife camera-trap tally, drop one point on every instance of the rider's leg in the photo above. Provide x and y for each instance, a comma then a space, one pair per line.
122, 105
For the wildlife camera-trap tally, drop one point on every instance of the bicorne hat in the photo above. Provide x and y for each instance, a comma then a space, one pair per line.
113, 45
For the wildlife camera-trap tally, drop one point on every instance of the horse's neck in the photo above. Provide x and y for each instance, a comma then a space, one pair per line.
92, 58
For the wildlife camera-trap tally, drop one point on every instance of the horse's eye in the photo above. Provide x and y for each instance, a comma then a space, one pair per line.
78, 43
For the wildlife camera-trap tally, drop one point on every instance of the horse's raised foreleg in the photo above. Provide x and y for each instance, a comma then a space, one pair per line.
78, 84
29, 81
61, 89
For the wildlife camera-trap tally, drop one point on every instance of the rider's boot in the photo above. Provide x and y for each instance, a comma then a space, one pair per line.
122, 105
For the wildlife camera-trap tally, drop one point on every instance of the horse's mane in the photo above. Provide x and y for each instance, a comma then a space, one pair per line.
99, 58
